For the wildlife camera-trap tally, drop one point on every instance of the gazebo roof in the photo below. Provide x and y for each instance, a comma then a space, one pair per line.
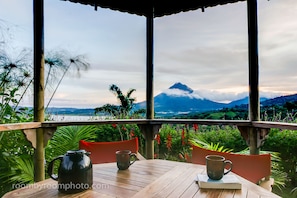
160, 7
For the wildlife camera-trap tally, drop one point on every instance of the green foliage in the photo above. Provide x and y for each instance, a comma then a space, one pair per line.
10, 96
20, 171
226, 136
67, 138
15, 79
277, 171
109, 133
124, 110
294, 192
14, 143
116, 132
171, 143
236, 113
15, 160
119, 132
284, 142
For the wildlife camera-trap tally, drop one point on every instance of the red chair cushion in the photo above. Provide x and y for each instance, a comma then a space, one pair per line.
103, 152
250, 167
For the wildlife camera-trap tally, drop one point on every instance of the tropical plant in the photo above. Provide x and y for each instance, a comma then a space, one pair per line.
15, 79
125, 107
199, 141
16, 160
123, 110
67, 138
294, 192
16, 154
21, 172
59, 61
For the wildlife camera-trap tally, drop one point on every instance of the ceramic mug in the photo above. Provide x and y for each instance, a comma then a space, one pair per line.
215, 166
125, 158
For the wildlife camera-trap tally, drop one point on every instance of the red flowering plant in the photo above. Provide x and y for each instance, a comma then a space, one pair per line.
172, 142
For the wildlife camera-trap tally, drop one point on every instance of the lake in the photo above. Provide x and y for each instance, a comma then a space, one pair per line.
76, 118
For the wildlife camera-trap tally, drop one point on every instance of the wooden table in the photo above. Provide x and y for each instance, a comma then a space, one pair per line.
146, 178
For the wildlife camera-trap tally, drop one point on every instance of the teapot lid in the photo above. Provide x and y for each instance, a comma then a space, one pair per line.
73, 152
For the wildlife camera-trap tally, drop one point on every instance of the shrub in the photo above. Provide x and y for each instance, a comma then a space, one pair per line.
226, 136
284, 142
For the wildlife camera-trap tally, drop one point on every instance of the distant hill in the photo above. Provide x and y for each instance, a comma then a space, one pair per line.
280, 100
244, 101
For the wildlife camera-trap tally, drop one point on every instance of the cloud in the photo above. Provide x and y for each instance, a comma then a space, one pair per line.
181, 93
208, 51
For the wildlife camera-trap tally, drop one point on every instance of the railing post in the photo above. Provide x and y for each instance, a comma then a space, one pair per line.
149, 132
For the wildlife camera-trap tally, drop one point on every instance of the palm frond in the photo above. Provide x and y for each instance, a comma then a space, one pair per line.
294, 191
211, 146
21, 170
24, 171
67, 138
108, 108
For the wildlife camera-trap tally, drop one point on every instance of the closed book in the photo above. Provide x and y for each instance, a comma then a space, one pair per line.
227, 182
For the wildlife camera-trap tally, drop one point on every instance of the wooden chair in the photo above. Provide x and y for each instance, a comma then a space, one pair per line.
104, 152
255, 168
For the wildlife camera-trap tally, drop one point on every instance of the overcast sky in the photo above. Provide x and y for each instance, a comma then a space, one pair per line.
207, 51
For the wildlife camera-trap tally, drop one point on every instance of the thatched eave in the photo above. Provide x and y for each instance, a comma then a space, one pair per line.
159, 8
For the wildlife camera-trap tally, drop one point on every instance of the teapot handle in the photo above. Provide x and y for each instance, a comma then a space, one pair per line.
50, 168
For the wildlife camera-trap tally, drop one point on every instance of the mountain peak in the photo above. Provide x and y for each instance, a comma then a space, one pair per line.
181, 86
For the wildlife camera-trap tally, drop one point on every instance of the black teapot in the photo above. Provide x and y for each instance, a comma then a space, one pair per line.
75, 173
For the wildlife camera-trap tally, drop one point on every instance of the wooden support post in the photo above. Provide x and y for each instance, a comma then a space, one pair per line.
149, 132
254, 102
39, 87
150, 66
254, 150
39, 159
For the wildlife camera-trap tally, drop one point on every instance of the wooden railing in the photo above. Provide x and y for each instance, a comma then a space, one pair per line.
19, 126
48, 124
150, 127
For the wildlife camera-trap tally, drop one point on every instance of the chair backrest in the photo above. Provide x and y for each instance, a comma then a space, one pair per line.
250, 167
103, 152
